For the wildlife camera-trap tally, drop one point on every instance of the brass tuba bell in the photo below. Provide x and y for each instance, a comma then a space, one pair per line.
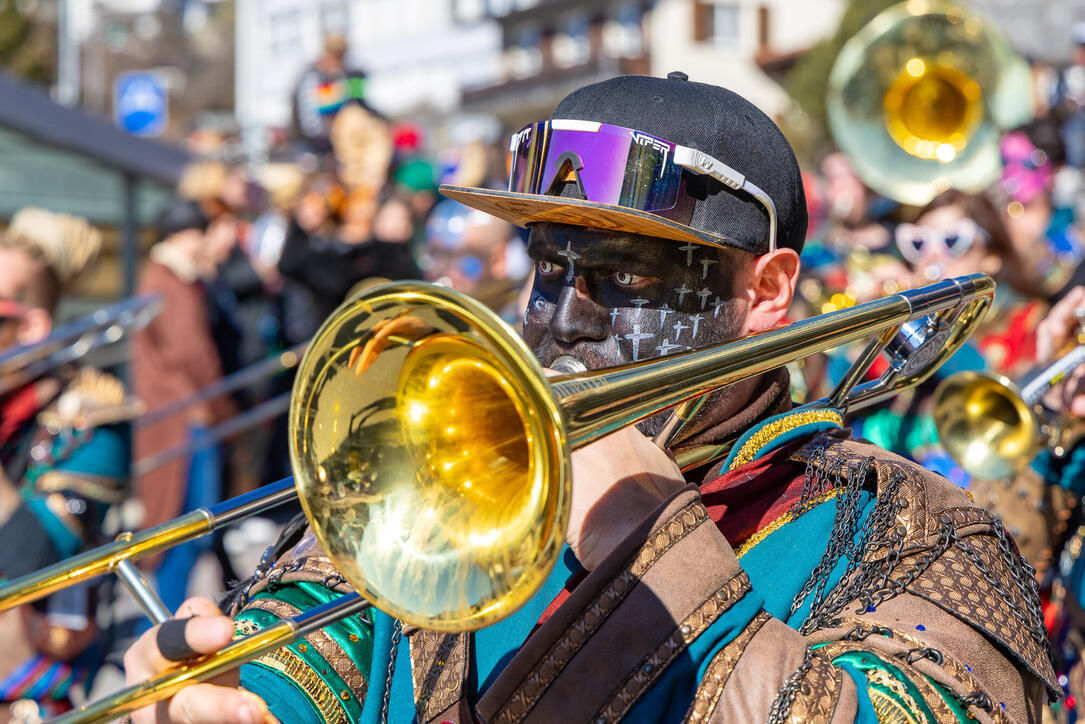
918, 98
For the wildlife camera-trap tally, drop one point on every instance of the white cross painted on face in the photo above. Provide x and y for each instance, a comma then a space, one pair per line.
678, 329
638, 303
635, 337
705, 263
682, 292
703, 295
696, 319
716, 307
689, 249
666, 348
663, 312
570, 259
614, 317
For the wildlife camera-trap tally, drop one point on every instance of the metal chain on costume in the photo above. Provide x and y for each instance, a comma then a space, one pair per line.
397, 631
844, 541
781, 705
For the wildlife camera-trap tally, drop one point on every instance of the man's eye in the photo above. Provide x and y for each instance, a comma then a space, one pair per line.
547, 267
624, 279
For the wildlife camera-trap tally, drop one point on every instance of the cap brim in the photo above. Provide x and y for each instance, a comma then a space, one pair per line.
525, 209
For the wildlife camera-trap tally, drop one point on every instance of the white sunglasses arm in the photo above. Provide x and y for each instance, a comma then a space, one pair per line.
702, 163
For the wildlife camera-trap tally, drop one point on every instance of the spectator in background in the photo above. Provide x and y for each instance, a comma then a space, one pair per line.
1069, 100
374, 241
172, 358
478, 254
323, 89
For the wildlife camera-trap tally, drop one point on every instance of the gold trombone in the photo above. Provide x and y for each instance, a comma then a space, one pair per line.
431, 453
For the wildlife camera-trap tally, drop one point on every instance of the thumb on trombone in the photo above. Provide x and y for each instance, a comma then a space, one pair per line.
198, 628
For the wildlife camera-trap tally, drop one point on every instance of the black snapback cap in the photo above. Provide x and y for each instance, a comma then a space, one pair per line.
705, 117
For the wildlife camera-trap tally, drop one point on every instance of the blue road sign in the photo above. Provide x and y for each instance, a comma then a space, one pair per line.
140, 103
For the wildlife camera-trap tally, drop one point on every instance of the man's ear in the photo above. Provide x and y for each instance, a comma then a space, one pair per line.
35, 325
772, 279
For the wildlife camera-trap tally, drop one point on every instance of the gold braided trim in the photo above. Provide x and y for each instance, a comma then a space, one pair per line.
325, 645
774, 429
531, 689
244, 627
719, 671
291, 665
652, 666
888, 709
95, 487
783, 520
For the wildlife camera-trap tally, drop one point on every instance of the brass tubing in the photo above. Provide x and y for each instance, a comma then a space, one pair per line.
208, 667
134, 546
596, 404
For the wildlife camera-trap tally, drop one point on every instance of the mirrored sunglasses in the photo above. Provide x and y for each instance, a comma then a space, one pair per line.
616, 166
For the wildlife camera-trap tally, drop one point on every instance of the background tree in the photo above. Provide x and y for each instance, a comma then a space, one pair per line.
27, 41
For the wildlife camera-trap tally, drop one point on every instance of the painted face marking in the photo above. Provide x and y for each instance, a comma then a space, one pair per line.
540, 303
705, 263
614, 313
635, 337
663, 312
696, 319
638, 303
682, 292
570, 258
678, 329
716, 307
703, 295
666, 348
689, 249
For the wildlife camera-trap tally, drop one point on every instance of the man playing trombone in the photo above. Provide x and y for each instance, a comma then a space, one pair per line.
806, 577
65, 451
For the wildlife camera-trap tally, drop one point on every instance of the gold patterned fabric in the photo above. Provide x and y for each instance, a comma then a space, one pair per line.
719, 669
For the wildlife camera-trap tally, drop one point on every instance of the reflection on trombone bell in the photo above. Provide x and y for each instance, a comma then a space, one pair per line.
993, 426
446, 505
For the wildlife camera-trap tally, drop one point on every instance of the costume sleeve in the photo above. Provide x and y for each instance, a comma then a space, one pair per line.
322, 677
670, 628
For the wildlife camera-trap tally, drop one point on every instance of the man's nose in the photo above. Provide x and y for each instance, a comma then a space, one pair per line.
578, 316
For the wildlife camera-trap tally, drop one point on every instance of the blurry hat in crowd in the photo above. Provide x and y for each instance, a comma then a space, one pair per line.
417, 174
180, 215
66, 244
632, 124
1027, 171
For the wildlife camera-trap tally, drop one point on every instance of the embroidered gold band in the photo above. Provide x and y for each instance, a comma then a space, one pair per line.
528, 693
780, 522
775, 428
719, 671
325, 645
652, 666
326, 701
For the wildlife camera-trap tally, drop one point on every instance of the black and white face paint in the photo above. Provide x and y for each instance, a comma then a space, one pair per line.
610, 297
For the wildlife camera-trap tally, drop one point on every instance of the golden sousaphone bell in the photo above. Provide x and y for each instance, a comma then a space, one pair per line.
920, 96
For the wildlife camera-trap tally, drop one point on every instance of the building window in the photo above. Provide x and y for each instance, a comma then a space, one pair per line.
622, 37
716, 22
524, 58
571, 45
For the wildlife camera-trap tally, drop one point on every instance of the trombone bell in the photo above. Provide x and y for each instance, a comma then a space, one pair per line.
430, 457
985, 424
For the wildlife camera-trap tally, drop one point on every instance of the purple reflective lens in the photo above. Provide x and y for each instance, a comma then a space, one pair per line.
614, 165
